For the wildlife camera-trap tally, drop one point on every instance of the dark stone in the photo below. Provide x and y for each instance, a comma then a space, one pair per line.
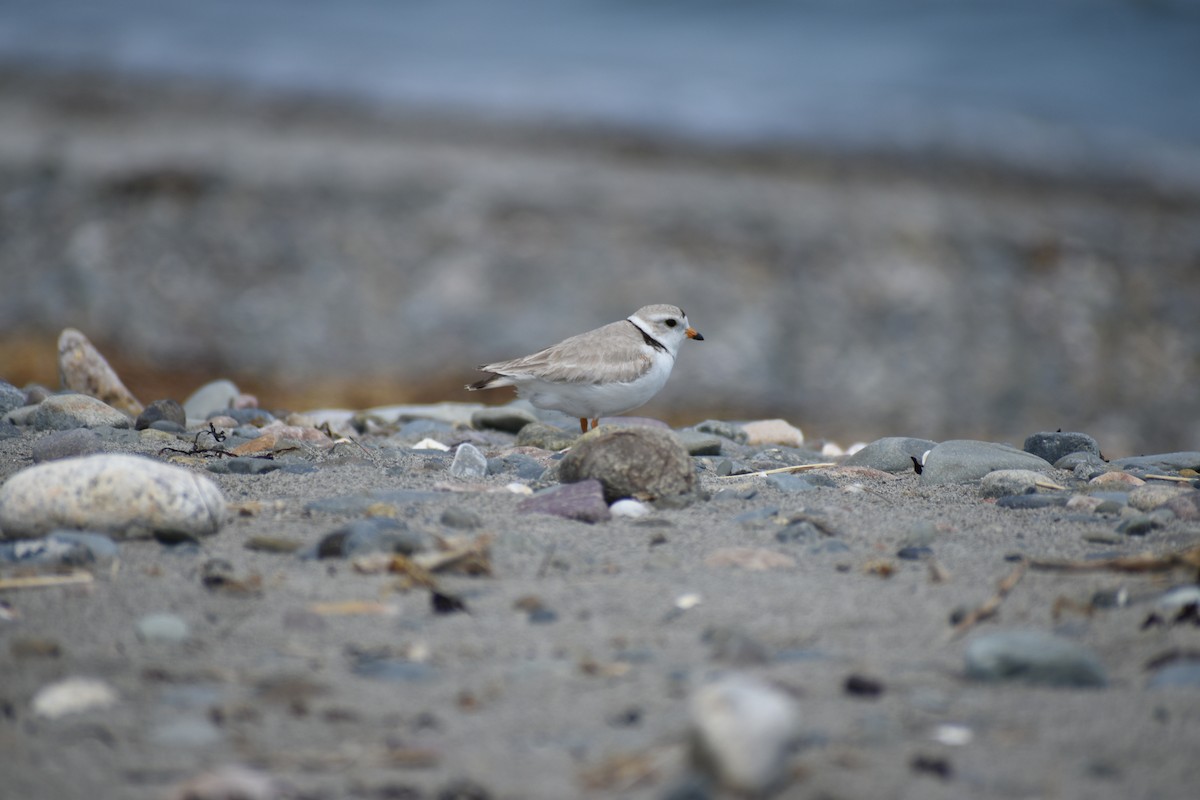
10, 397
914, 552
161, 411
66, 444
861, 686
582, 501
1053, 445
371, 535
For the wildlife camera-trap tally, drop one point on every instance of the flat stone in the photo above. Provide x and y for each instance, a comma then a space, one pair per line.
1053, 445
509, 419
67, 411
964, 460
772, 431
82, 369
629, 509
210, 398
1033, 657
582, 501
469, 463
892, 454
161, 411
644, 463
66, 444
743, 731
122, 495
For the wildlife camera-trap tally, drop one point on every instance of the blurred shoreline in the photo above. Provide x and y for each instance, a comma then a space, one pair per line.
323, 251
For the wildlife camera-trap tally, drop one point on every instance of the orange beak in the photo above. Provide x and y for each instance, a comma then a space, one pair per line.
692, 333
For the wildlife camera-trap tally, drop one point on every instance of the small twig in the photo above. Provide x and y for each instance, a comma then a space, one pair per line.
797, 468
1142, 562
1049, 485
992, 604
44, 581
1172, 478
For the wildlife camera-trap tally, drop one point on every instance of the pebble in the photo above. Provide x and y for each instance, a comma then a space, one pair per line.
1116, 480
510, 419
700, 444
1183, 673
73, 696
1054, 445
743, 731
66, 444
726, 430
161, 411
460, 518
257, 417
772, 431
1033, 657
1032, 501
647, 463
1186, 506
892, 454
364, 536
1085, 465
1163, 462
10, 397
1004, 482
965, 460
469, 463
1154, 495
582, 501
790, 483
914, 552
629, 508
546, 437
526, 467
67, 411
210, 399
1138, 525
82, 369
65, 548
733, 646
162, 628
122, 495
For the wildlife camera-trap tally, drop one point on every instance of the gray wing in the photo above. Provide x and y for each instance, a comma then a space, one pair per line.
616, 352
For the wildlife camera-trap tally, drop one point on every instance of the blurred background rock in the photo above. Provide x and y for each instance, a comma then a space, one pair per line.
936, 219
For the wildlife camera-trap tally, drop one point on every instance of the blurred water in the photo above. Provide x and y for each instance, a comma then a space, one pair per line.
1100, 84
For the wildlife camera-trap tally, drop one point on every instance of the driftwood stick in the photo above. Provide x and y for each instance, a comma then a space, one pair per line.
989, 607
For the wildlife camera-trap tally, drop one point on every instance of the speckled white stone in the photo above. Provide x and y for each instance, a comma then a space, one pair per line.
122, 495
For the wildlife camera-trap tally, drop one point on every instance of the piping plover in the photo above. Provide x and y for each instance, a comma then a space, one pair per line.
610, 370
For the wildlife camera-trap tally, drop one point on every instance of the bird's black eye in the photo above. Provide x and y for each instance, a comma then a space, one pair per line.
671, 323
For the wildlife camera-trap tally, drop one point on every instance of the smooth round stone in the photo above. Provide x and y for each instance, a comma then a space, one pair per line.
161, 411
210, 398
891, 454
83, 369
66, 411
726, 430
914, 552
73, 696
67, 548
629, 509
122, 495
965, 460
10, 397
1154, 495
66, 444
582, 501
1072, 462
255, 417
773, 431
162, 628
461, 518
743, 731
509, 419
1005, 482
1053, 445
1182, 674
646, 463
469, 463
546, 437
1116, 480
1186, 506
1033, 657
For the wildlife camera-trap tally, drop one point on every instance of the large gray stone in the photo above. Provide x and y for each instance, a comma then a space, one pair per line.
1053, 445
1033, 657
965, 460
891, 454
644, 463
125, 496
65, 411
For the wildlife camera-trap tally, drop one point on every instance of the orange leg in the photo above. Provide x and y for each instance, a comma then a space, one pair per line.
595, 423
583, 425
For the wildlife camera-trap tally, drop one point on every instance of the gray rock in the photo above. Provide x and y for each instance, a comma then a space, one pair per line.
362, 503
1138, 525
644, 463
8, 430
210, 398
1033, 657
892, 454
1163, 462
509, 419
469, 463
461, 518
743, 730
82, 369
66, 444
726, 430
700, 444
547, 437
65, 411
125, 496
1154, 495
790, 483
1032, 501
1182, 673
582, 501
1053, 445
965, 460
1005, 482
525, 467
365, 536
165, 410
161, 628
255, 418
10, 397
66, 548
1186, 506
1081, 463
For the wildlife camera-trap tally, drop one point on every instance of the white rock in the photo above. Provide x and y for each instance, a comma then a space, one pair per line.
125, 496
72, 696
773, 431
743, 732
469, 463
431, 444
629, 508
209, 398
